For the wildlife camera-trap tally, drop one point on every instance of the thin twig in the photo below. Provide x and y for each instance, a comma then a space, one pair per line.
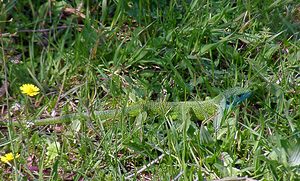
39, 30
178, 176
49, 29
235, 179
7, 34
145, 167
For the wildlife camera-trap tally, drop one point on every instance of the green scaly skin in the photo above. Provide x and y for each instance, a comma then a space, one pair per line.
203, 110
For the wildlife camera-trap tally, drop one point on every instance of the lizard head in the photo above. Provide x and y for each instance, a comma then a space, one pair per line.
235, 96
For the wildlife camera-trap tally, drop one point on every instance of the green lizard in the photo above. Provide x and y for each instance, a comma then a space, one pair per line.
203, 110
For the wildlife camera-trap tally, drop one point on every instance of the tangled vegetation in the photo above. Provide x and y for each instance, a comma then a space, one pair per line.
62, 57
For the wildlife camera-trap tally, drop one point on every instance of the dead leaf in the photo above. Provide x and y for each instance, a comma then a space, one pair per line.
69, 11
3, 88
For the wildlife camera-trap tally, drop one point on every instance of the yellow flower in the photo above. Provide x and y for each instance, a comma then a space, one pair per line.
30, 89
8, 157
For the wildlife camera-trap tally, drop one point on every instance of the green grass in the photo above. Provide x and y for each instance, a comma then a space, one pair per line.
124, 51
